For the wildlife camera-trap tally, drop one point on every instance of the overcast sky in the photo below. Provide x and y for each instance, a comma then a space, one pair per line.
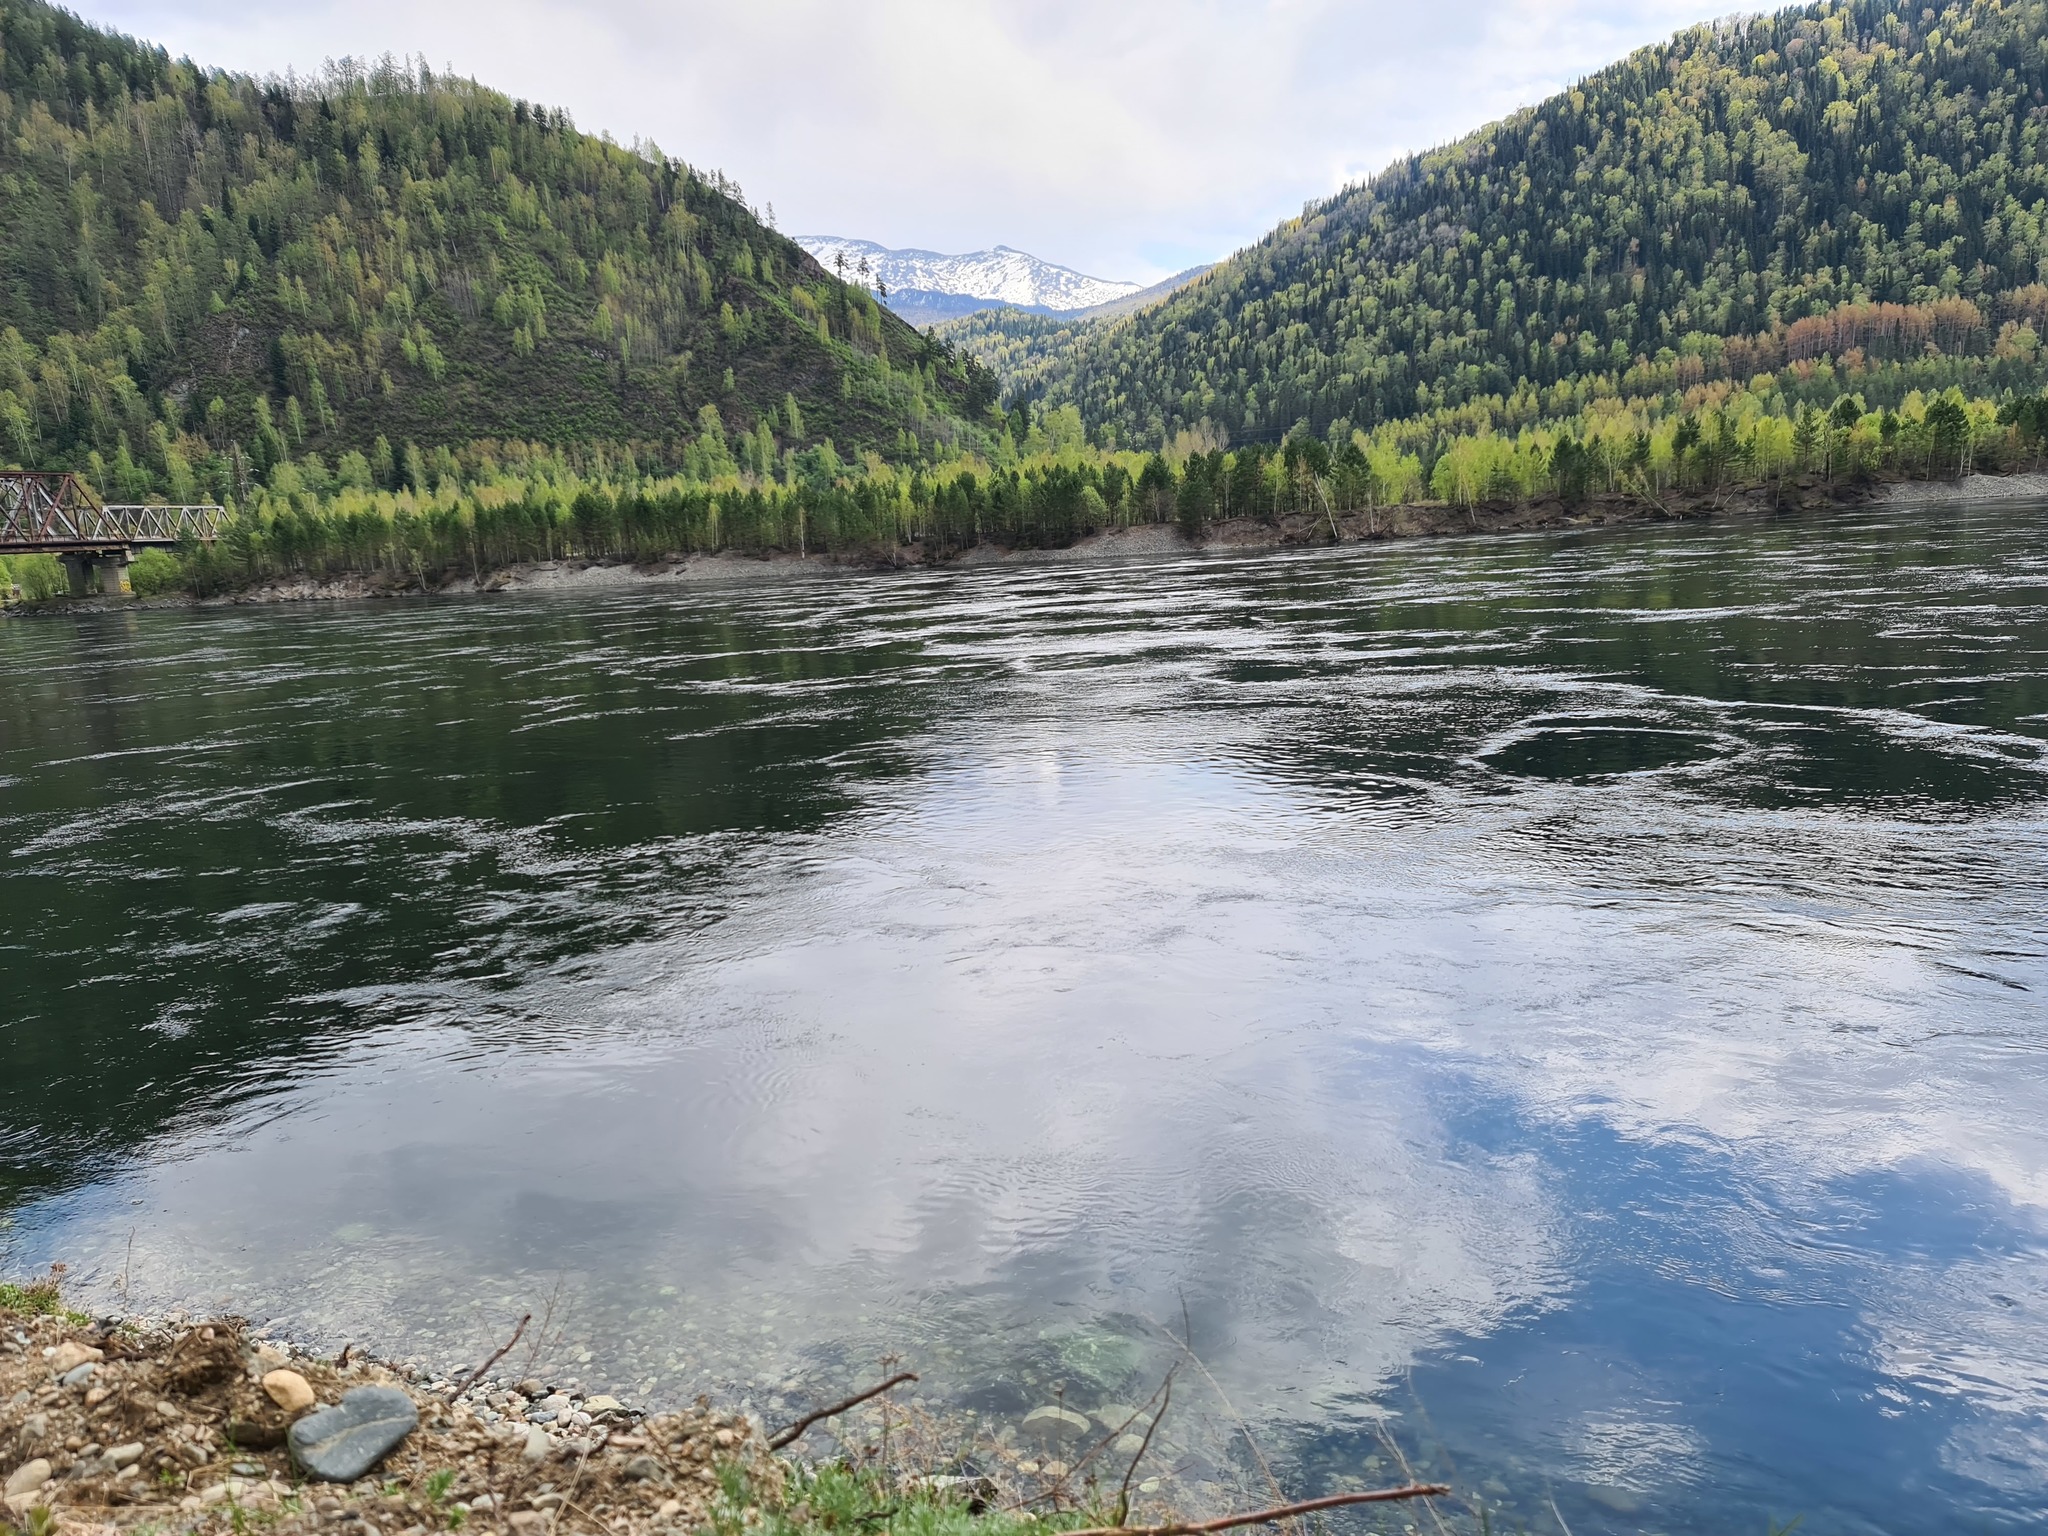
1128, 138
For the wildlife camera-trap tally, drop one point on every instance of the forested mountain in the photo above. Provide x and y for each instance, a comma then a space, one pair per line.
203, 275
1847, 196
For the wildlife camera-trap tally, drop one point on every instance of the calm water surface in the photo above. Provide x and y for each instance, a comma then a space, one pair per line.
1572, 1006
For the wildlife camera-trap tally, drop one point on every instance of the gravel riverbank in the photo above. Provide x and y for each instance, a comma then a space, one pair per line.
173, 1425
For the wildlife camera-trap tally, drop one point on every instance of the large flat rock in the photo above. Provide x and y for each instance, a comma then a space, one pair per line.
342, 1443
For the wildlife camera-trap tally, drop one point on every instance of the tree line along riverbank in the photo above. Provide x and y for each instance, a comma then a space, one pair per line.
425, 521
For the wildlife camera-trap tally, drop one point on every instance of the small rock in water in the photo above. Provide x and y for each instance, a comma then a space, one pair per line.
342, 1443
289, 1390
1051, 1422
1115, 1415
70, 1356
1130, 1445
1620, 1500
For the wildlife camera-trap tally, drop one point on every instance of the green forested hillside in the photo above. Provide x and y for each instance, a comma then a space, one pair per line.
203, 275
1846, 197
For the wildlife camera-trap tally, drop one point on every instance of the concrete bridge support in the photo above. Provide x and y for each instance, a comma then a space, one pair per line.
103, 574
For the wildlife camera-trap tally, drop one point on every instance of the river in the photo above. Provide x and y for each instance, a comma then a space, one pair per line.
1563, 1009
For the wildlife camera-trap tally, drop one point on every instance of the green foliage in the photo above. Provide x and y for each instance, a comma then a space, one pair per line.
1846, 197
40, 1520
34, 577
203, 273
838, 1498
155, 571
38, 1298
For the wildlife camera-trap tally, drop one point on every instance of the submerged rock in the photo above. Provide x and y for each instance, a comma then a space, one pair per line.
1055, 1423
342, 1443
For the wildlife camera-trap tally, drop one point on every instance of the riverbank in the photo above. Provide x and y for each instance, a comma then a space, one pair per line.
1422, 520
169, 1424
159, 1424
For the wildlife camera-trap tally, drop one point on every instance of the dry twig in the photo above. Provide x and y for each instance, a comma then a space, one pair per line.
790, 1435
1268, 1516
478, 1374
1123, 1493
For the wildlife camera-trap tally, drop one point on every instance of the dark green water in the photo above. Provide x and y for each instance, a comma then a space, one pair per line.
1575, 1002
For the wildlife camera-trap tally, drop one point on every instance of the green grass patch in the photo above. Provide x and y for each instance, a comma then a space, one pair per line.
838, 1498
38, 1298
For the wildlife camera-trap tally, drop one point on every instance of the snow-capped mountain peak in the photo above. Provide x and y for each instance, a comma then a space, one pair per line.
1000, 276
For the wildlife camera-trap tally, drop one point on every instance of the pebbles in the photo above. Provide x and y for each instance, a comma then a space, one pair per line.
27, 1478
70, 1355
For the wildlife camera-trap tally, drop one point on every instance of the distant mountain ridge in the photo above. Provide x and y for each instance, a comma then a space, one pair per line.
950, 286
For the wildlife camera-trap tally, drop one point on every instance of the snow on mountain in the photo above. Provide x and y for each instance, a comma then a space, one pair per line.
1000, 276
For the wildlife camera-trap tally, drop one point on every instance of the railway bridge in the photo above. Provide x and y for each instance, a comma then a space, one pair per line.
54, 514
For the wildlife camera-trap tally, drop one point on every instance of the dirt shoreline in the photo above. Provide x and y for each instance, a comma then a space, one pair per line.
169, 1424
1413, 521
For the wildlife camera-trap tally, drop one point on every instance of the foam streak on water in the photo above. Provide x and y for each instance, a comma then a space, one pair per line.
1579, 997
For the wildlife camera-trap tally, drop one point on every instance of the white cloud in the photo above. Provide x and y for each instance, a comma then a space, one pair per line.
1126, 140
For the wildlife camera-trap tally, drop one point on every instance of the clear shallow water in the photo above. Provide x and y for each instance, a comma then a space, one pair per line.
1574, 1001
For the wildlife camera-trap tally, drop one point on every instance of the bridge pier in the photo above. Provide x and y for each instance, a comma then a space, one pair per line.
103, 573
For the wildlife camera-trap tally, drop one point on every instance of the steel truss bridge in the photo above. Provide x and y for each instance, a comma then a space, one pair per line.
56, 515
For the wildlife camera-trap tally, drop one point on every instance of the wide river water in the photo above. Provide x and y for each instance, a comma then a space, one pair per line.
1568, 1010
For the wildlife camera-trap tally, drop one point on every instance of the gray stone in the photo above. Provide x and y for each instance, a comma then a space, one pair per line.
537, 1444
78, 1377
27, 1478
342, 1443
643, 1469
1055, 1423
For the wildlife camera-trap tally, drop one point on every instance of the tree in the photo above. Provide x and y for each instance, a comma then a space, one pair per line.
1948, 434
1571, 466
